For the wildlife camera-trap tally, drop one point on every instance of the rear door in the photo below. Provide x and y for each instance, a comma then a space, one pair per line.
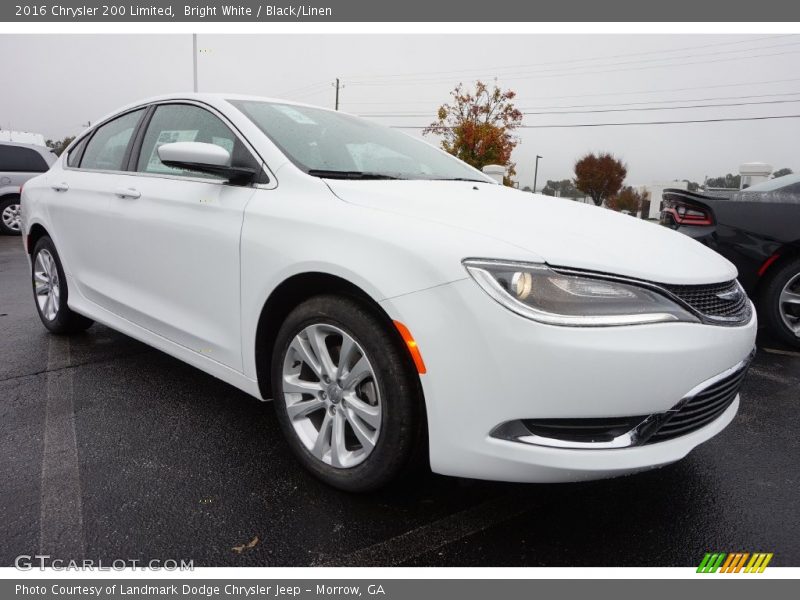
177, 237
78, 203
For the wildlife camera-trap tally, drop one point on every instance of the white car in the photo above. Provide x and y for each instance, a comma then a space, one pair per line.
393, 301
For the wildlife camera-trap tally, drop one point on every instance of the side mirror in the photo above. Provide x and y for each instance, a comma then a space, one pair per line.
204, 158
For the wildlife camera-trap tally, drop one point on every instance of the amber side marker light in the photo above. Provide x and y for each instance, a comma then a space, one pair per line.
411, 344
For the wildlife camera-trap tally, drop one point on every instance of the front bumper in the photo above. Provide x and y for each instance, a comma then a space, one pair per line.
487, 366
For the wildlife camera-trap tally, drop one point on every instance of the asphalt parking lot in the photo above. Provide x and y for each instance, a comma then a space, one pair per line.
112, 450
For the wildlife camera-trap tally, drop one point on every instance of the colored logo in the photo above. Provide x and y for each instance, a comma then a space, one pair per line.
734, 562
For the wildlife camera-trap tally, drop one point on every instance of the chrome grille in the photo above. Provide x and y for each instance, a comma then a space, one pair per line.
721, 303
698, 410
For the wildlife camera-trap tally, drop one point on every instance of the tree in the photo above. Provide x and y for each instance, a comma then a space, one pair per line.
782, 172
599, 176
58, 146
477, 126
629, 199
563, 188
692, 186
729, 181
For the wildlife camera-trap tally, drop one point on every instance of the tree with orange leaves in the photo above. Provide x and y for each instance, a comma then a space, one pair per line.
599, 176
477, 126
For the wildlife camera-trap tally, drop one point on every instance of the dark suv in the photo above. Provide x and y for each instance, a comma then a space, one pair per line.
18, 163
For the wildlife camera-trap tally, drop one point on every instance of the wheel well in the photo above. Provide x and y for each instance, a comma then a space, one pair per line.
37, 233
286, 297
785, 254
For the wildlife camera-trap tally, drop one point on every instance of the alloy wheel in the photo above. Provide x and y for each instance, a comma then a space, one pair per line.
789, 304
331, 395
46, 284
11, 217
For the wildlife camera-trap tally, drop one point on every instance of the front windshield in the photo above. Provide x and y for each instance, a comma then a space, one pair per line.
332, 144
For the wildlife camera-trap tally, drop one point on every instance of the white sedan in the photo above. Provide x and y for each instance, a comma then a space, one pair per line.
395, 303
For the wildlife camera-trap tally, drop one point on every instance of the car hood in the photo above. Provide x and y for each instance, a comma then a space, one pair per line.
561, 232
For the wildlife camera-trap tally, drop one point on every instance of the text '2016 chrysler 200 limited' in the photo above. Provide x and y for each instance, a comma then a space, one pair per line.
393, 301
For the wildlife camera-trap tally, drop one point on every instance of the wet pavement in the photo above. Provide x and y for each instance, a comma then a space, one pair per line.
169, 463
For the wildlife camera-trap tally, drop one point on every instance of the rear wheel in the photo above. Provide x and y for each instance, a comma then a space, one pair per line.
50, 291
346, 397
780, 302
10, 215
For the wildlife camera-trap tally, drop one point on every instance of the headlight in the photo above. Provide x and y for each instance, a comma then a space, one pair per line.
540, 293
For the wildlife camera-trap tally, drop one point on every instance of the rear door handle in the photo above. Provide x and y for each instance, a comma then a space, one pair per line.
127, 193
60, 187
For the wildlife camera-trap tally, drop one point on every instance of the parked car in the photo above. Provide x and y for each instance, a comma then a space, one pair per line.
18, 163
392, 300
758, 230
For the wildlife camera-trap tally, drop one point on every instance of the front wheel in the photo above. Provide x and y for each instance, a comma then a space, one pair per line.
50, 291
780, 302
346, 395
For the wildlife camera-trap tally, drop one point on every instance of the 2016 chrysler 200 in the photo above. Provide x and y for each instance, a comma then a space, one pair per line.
393, 301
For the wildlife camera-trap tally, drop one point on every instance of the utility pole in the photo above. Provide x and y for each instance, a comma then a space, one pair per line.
536, 173
337, 85
194, 59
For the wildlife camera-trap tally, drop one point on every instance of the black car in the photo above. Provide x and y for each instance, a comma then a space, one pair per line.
758, 230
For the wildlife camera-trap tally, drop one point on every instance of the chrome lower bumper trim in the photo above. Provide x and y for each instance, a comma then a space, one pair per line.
516, 431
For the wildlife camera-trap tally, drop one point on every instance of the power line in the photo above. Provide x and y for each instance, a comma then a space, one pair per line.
570, 61
621, 124
605, 94
616, 64
547, 75
707, 99
609, 110
304, 88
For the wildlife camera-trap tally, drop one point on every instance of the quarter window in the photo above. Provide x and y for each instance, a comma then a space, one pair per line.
74, 156
106, 150
185, 123
18, 159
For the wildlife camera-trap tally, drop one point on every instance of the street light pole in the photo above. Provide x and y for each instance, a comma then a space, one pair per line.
194, 59
536, 173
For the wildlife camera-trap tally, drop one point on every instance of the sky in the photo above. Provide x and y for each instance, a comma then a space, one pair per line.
55, 84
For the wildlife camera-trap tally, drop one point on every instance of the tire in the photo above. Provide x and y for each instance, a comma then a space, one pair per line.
380, 421
9, 216
50, 291
782, 318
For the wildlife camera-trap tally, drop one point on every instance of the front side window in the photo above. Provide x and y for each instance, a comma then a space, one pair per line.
330, 144
185, 123
18, 159
106, 149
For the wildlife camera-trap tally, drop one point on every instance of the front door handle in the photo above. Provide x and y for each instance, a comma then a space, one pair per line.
60, 187
127, 193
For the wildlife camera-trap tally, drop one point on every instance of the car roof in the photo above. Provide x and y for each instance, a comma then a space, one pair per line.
214, 99
772, 185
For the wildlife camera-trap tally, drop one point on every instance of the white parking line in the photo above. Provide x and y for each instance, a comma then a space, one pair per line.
762, 372
432, 536
61, 518
782, 352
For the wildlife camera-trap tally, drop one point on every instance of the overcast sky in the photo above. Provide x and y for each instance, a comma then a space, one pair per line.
55, 83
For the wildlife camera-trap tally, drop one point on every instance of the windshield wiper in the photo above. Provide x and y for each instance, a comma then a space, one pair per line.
350, 174
458, 179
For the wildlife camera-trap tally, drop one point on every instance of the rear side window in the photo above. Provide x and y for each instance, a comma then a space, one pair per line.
106, 149
17, 159
185, 123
